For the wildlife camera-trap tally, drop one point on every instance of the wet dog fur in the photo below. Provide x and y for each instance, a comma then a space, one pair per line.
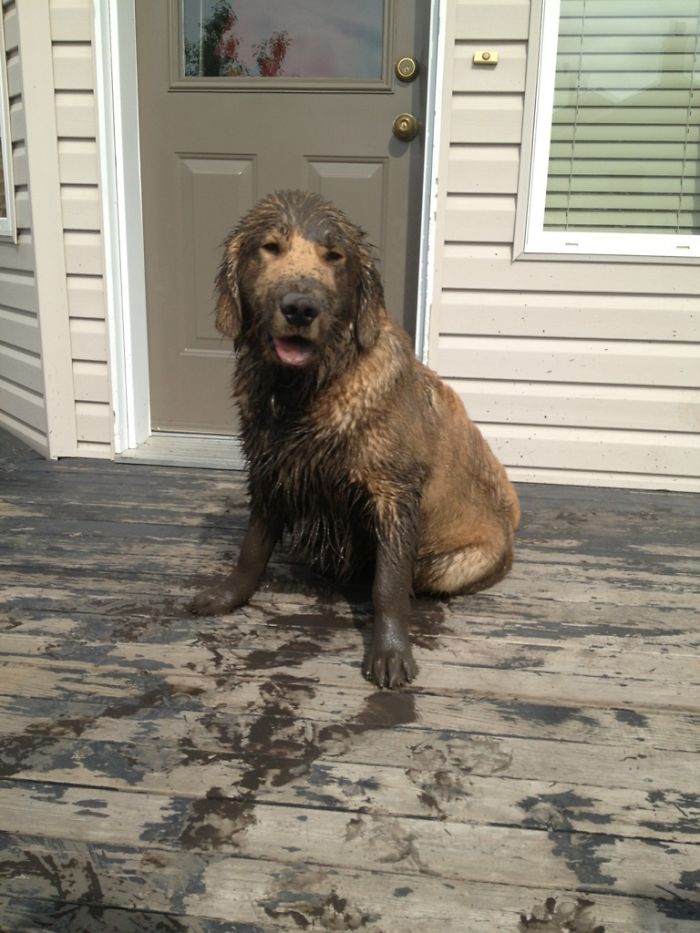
355, 449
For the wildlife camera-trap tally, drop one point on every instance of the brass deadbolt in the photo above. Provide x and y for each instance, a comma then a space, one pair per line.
405, 127
406, 68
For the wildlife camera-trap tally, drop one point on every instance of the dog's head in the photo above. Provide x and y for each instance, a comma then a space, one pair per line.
298, 279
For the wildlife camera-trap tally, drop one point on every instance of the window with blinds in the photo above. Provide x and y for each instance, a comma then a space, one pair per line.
618, 137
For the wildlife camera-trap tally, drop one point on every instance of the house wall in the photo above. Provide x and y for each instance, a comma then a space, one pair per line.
22, 402
57, 399
71, 23
577, 371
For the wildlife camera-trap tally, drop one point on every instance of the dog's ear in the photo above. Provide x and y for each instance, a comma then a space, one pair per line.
228, 299
370, 303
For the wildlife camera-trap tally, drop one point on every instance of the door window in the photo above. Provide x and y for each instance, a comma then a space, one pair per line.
316, 39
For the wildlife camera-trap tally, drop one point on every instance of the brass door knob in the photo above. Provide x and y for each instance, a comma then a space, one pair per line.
405, 127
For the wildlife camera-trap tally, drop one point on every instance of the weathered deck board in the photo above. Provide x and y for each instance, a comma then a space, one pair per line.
599, 581
501, 782
376, 841
278, 896
636, 666
161, 772
536, 686
202, 716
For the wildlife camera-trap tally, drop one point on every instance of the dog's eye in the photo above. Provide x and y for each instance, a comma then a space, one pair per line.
272, 247
333, 256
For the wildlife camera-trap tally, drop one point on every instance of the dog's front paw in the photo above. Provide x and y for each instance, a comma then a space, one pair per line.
217, 600
390, 666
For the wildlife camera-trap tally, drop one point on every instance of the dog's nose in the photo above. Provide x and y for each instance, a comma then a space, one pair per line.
298, 309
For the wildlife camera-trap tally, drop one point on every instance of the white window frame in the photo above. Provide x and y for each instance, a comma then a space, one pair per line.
574, 242
8, 224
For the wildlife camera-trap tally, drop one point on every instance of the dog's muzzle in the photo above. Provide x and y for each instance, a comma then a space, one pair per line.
299, 310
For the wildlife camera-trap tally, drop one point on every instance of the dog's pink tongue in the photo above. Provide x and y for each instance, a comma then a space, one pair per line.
293, 351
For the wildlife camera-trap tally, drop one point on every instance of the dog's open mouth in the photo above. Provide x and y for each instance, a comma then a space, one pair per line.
294, 351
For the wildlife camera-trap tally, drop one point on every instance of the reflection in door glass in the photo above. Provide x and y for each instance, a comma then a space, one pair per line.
333, 39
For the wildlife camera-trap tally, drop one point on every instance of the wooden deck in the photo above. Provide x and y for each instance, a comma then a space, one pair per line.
159, 772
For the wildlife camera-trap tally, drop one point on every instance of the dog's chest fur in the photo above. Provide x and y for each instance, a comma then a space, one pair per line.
315, 446
300, 471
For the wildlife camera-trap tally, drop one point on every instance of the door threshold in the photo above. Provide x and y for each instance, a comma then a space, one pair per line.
205, 451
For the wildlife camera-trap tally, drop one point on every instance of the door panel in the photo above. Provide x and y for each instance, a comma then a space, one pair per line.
358, 188
205, 213
212, 144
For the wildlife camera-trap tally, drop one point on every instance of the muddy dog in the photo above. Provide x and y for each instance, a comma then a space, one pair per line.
355, 449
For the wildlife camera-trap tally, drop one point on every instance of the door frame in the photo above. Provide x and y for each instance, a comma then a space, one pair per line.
116, 91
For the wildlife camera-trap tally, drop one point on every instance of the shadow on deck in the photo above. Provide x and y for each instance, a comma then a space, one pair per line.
159, 772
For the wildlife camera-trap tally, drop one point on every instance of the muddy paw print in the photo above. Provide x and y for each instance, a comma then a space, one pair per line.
386, 838
441, 773
564, 917
308, 900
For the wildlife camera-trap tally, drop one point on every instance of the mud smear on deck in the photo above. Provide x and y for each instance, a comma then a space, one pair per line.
58, 887
37, 749
216, 820
136, 621
52, 876
564, 917
561, 811
68, 918
304, 898
49, 745
280, 745
279, 748
309, 632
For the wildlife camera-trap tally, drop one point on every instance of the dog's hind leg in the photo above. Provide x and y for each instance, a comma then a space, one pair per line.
469, 569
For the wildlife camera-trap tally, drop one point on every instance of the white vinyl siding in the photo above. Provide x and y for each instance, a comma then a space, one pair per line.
22, 402
54, 377
74, 80
577, 371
